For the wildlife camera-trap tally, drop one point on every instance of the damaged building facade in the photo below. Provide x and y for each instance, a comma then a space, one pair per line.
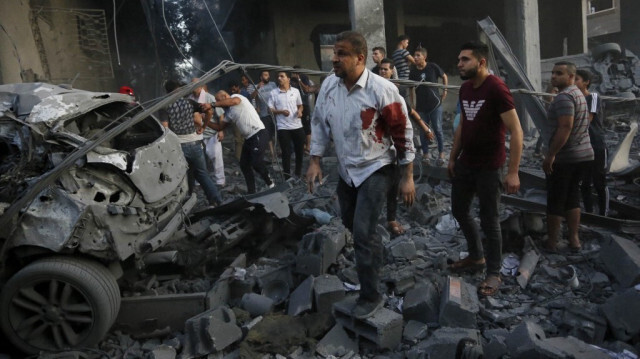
272, 275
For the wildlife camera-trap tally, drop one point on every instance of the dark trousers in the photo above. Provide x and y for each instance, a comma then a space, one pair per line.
596, 173
563, 187
194, 154
251, 159
392, 193
360, 208
285, 138
486, 184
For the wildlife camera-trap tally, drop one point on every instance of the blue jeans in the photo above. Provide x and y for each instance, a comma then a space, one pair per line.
194, 154
434, 120
487, 185
364, 203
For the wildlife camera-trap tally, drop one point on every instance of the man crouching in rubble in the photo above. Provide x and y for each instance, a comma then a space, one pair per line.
366, 117
477, 158
179, 118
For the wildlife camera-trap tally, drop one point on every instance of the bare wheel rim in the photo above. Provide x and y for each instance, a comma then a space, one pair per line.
50, 313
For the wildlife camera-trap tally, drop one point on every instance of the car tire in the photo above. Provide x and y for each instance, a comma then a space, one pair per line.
58, 303
599, 51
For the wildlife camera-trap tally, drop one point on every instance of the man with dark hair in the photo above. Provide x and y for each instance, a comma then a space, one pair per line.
243, 115
302, 82
286, 104
179, 118
597, 173
428, 101
477, 158
367, 120
377, 54
261, 96
402, 57
568, 156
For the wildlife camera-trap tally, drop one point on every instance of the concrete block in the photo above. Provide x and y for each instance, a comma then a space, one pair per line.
402, 248
336, 343
621, 258
584, 324
301, 299
496, 348
443, 342
318, 250
623, 314
240, 287
569, 347
526, 341
163, 352
414, 331
459, 304
399, 280
256, 304
210, 332
422, 304
384, 328
328, 289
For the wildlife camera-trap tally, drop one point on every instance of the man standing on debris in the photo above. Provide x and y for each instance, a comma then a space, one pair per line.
261, 96
428, 101
243, 115
597, 173
179, 118
477, 159
366, 118
569, 155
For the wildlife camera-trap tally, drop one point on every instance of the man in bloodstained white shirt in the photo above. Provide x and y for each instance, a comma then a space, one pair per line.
367, 120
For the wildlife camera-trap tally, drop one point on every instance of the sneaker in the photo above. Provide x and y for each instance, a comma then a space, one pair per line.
365, 309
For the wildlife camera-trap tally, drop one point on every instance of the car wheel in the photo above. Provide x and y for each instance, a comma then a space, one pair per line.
58, 303
599, 51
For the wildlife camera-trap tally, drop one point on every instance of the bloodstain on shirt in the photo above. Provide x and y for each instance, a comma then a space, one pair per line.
366, 116
394, 120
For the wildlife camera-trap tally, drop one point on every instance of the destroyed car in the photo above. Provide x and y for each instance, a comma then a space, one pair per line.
61, 255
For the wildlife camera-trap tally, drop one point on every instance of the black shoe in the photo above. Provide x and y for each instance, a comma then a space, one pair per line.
365, 308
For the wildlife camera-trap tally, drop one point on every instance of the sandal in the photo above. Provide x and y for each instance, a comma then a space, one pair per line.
467, 265
396, 228
490, 285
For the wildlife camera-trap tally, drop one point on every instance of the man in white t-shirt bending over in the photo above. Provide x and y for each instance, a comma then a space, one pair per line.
240, 112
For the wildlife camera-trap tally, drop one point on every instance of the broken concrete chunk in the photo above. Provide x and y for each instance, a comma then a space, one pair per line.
384, 328
623, 314
415, 331
210, 332
318, 250
459, 304
621, 257
525, 340
328, 289
443, 342
422, 304
569, 347
163, 352
527, 266
336, 343
218, 295
301, 299
584, 323
256, 304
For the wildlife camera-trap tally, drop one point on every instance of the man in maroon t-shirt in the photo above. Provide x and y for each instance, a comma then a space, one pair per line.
477, 158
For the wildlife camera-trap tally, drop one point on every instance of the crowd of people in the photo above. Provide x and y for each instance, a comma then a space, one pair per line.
367, 120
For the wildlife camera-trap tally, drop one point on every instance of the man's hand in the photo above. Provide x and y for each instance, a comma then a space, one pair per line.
512, 183
299, 114
430, 135
451, 168
407, 190
547, 164
285, 112
206, 107
220, 136
314, 171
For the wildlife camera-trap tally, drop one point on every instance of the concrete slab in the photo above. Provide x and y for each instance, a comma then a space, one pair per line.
526, 342
319, 249
336, 343
569, 347
328, 289
163, 352
621, 258
301, 299
459, 304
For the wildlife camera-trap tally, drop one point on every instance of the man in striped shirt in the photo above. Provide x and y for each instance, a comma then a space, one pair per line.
568, 155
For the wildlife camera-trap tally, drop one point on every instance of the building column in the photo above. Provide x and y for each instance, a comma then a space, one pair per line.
367, 17
524, 37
